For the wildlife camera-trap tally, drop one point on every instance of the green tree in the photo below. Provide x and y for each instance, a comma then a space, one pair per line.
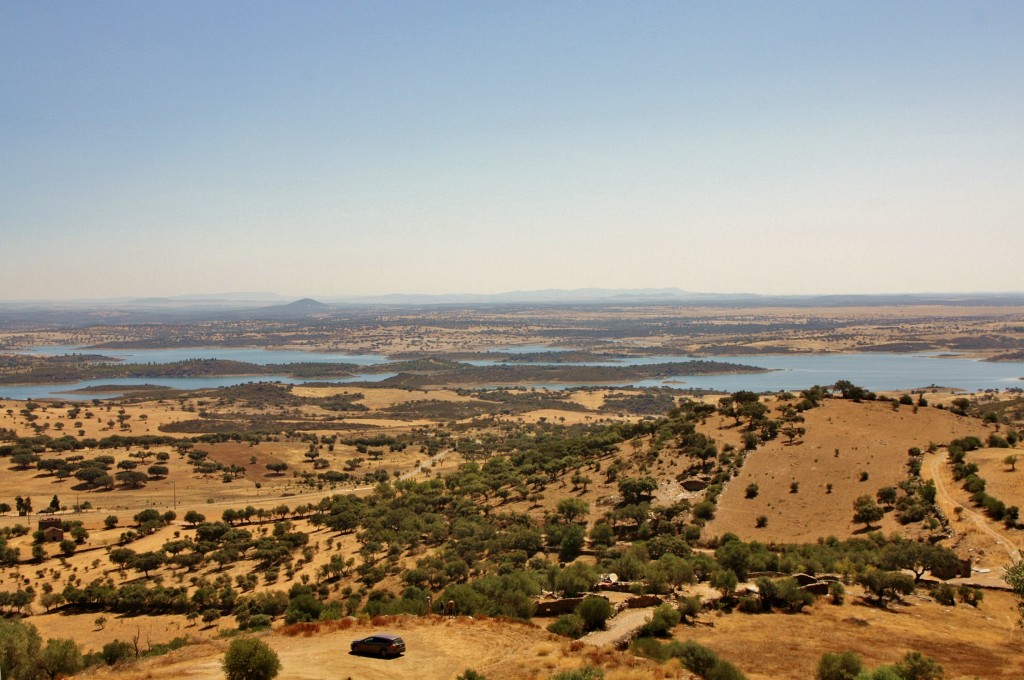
866, 511
570, 509
277, 468
594, 610
887, 496
250, 659
60, 657
147, 561
886, 586
571, 545
920, 558
19, 650
132, 478
725, 581
636, 490
1014, 577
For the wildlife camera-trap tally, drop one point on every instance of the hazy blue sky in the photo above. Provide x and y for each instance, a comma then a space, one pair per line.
160, 148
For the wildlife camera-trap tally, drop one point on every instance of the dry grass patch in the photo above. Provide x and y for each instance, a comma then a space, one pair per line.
870, 438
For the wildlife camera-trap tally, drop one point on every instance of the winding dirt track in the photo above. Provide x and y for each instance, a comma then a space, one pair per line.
976, 518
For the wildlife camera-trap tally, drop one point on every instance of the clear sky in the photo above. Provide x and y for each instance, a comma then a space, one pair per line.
334, 148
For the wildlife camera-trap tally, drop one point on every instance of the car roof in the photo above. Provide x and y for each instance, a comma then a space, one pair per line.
387, 637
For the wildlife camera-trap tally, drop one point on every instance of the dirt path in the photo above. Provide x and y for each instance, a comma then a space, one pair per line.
948, 503
622, 626
436, 458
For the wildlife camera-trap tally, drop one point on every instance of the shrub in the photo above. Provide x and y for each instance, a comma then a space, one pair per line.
723, 670
567, 625
689, 607
303, 607
761, 522
844, 666
470, 674
695, 657
585, 673
704, 510
917, 666
970, 595
117, 650
594, 611
836, 592
250, 659
664, 619
944, 595
256, 622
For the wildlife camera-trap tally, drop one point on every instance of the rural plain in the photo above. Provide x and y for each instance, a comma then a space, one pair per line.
586, 525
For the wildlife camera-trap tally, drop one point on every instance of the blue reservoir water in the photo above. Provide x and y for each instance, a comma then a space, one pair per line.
69, 390
874, 371
251, 355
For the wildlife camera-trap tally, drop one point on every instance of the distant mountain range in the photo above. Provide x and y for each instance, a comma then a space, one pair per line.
264, 305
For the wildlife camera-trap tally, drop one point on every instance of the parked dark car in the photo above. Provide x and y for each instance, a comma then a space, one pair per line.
379, 645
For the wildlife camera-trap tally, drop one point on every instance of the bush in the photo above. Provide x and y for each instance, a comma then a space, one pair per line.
844, 666
567, 625
695, 657
836, 592
470, 674
594, 611
689, 607
917, 666
303, 607
944, 595
585, 673
723, 670
970, 595
250, 659
664, 619
117, 650
255, 622
704, 510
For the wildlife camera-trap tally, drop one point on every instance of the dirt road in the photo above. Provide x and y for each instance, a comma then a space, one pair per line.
622, 626
948, 503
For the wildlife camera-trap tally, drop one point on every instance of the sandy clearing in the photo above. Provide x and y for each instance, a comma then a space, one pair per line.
435, 648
